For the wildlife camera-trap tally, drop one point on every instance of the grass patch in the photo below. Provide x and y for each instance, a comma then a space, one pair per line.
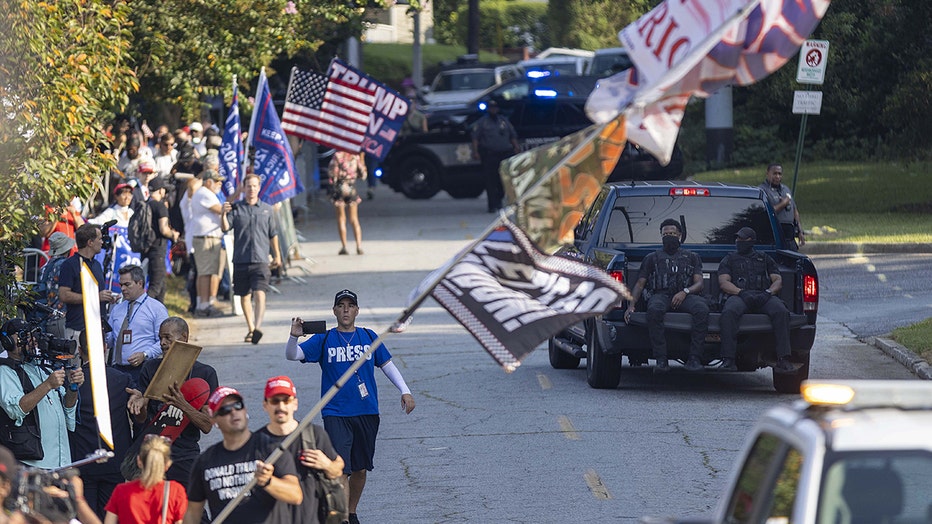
917, 337
854, 202
176, 297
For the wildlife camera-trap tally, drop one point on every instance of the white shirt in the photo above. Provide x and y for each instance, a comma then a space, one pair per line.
119, 213
164, 163
200, 220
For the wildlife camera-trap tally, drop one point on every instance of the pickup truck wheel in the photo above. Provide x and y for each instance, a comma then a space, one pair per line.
603, 371
418, 178
560, 359
790, 383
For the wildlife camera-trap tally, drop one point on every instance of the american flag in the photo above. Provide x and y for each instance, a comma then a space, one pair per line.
332, 113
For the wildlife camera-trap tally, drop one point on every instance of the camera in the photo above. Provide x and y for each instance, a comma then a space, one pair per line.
55, 351
105, 235
33, 497
313, 327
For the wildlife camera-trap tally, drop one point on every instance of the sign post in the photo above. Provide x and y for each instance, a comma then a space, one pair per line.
813, 57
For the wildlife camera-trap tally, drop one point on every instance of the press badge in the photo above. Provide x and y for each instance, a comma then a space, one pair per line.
363, 392
128, 337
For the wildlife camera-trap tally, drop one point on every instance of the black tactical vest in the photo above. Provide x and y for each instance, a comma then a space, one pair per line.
671, 273
750, 271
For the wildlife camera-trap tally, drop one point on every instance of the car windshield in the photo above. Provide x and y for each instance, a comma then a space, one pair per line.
463, 80
877, 487
636, 219
609, 64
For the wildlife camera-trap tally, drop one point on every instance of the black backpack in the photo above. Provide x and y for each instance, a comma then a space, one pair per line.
140, 234
331, 494
24, 441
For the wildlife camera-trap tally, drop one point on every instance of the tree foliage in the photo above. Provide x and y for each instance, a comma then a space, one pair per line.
63, 67
504, 24
592, 24
876, 96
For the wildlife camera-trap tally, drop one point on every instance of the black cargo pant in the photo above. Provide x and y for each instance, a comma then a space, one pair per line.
494, 191
773, 308
695, 305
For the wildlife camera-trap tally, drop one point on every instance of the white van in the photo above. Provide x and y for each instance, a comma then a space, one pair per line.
461, 84
554, 66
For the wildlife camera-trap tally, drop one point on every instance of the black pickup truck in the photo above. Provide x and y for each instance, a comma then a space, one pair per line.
623, 225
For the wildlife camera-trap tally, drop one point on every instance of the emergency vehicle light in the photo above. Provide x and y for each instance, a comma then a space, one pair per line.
904, 394
536, 73
689, 191
545, 93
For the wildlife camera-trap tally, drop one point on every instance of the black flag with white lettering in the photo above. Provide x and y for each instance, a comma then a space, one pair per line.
512, 297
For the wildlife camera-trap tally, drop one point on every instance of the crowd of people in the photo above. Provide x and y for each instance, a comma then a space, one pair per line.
158, 470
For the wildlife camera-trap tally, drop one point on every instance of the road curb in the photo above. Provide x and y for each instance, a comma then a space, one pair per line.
907, 358
856, 248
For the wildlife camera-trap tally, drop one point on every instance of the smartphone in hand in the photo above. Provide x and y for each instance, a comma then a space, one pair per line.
311, 327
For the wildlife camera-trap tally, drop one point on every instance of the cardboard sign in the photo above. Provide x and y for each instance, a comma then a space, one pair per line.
175, 367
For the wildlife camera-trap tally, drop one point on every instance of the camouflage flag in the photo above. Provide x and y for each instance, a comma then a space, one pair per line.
554, 184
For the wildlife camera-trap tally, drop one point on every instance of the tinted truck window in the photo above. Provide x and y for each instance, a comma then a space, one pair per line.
637, 219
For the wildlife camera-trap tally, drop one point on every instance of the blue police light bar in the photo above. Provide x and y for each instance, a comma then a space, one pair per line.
482, 106
378, 172
538, 74
545, 93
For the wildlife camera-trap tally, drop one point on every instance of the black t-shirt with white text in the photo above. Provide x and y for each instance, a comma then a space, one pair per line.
219, 474
306, 513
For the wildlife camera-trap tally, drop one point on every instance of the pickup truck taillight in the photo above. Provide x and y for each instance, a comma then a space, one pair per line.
810, 293
689, 191
618, 275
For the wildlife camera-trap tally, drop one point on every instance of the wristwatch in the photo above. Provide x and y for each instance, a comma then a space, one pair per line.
686, 290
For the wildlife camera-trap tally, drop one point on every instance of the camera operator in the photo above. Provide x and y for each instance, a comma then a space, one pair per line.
38, 407
89, 239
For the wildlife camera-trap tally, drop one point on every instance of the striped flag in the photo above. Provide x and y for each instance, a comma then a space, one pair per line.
684, 49
332, 110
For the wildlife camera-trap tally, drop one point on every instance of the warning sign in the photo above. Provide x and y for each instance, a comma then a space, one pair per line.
813, 55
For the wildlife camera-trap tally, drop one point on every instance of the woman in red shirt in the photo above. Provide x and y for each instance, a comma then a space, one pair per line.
150, 498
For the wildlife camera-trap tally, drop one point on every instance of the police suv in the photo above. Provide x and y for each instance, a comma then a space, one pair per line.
542, 110
849, 452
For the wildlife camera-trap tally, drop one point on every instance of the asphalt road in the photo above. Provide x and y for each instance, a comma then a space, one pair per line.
537, 445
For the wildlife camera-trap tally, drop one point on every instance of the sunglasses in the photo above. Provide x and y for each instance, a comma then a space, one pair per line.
279, 400
229, 408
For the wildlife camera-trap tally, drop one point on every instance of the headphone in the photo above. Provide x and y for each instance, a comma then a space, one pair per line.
5, 339
11, 327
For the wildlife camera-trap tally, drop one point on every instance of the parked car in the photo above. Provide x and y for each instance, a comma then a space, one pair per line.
609, 61
853, 451
541, 110
459, 84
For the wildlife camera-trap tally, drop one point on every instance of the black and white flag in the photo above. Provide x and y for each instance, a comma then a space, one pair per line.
512, 297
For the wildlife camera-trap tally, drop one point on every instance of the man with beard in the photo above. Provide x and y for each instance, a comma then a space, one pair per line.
672, 279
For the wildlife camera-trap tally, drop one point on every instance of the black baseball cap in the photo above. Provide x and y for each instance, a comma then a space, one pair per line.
345, 294
746, 233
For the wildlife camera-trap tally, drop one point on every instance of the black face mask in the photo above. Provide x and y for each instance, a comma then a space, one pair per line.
671, 244
744, 246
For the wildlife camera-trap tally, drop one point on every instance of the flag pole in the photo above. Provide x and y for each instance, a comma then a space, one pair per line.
281, 448
511, 209
252, 120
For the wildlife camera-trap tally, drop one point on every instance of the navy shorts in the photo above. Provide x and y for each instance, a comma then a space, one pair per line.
250, 277
354, 439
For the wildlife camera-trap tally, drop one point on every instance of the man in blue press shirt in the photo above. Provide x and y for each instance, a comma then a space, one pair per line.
135, 324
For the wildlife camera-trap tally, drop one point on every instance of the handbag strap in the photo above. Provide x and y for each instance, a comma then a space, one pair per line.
165, 494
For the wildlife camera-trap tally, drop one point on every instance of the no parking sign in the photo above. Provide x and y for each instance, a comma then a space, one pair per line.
813, 55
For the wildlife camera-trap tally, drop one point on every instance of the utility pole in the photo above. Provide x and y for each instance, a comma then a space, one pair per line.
472, 36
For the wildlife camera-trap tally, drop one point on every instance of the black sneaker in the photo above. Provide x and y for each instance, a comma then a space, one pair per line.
728, 364
353, 519
784, 366
693, 364
661, 367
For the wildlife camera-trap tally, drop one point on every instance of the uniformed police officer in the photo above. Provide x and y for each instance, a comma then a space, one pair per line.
784, 206
672, 278
493, 140
751, 281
